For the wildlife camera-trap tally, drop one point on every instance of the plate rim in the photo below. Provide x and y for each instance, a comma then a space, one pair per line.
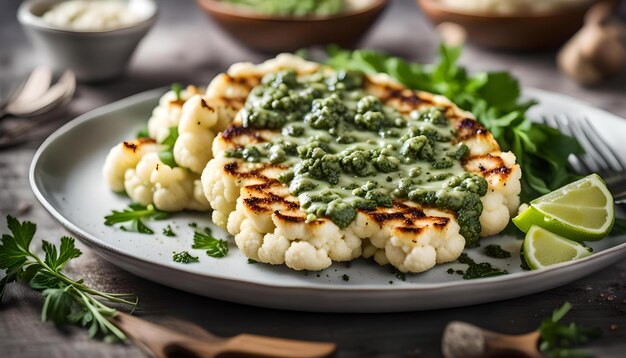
94, 242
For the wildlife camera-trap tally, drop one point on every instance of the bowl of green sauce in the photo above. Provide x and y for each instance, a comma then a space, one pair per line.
287, 25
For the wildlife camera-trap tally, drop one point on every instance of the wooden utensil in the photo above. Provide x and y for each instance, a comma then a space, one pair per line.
160, 342
463, 340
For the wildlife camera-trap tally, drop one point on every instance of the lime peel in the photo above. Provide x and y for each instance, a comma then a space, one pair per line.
581, 211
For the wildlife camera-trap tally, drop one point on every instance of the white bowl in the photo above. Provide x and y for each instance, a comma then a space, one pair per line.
92, 55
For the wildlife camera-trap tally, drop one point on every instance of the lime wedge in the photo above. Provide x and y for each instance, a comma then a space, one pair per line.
581, 211
543, 248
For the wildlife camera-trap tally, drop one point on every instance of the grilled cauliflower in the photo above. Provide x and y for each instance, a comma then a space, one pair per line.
168, 189
167, 114
322, 166
125, 156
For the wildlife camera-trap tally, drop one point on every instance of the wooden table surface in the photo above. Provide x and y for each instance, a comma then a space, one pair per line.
185, 46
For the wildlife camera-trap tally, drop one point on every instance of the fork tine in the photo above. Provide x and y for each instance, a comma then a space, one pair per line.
589, 159
604, 149
574, 161
592, 152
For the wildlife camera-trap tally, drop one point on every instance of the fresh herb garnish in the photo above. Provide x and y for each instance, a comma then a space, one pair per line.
399, 274
133, 214
205, 241
560, 340
65, 300
166, 155
193, 225
184, 257
143, 133
167, 231
496, 251
177, 88
494, 98
450, 271
345, 277
479, 270
251, 261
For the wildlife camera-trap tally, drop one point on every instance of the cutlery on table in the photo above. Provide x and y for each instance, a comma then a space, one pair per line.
36, 95
34, 98
160, 342
599, 157
464, 340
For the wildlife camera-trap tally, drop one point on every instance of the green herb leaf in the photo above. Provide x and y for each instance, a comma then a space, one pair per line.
65, 299
57, 305
184, 257
143, 133
134, 215
167, 154
167, 231
214, 247
561, 340
177, 88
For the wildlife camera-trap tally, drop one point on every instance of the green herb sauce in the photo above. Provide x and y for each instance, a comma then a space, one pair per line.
293, 7
349, 151
479, 270
496, 251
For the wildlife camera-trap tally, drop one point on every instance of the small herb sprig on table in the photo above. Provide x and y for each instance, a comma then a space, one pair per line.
65, 300
134, 214
561, 340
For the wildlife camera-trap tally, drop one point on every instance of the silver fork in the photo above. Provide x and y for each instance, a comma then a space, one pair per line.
599, 157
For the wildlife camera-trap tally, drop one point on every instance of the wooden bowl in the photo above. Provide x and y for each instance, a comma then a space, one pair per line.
281, 33
511, 32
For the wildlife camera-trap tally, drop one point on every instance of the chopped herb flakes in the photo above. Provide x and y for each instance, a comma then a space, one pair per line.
496, 251
184, 257
479, 270
205, 241
167, 231
251, 261
345, 277
399, 275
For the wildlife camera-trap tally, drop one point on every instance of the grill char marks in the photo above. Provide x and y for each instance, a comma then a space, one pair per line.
468, 128
135, 144
409, 215
488, 166
234, 132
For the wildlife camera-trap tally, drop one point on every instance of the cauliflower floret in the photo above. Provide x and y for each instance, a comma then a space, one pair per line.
167, 114
169, 189
125, 156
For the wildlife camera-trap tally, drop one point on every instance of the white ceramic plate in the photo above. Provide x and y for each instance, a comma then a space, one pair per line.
66, 178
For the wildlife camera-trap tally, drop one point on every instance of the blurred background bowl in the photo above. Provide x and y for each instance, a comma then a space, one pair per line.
92, 55
284, 33
512, 32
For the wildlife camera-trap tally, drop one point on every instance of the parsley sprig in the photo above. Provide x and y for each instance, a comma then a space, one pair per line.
560, 340
167, 153
134, 214
65, 300
204, 240
494, 98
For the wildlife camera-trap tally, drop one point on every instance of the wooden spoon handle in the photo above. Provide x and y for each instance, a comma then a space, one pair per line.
276, 347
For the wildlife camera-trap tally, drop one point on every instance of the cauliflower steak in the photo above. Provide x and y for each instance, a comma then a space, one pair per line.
321, 166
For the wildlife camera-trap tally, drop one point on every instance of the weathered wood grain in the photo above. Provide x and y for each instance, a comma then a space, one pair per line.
185, 47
